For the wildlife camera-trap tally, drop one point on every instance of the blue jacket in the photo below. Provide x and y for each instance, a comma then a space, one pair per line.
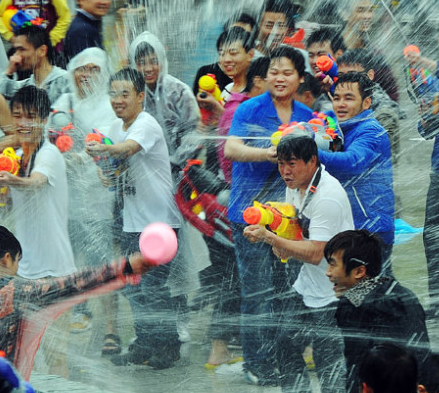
257, 117
364, 168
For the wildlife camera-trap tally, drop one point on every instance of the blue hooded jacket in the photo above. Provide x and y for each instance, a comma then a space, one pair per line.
364, 168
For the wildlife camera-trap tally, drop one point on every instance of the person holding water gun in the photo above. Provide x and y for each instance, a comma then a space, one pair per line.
323, 210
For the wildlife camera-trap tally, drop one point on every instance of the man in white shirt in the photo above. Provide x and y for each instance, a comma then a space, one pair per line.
306, 311
146, 187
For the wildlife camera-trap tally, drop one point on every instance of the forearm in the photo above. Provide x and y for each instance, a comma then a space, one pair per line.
35, 182
308, 251
236, 150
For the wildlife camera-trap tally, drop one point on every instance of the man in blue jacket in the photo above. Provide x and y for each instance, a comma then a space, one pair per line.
364, 167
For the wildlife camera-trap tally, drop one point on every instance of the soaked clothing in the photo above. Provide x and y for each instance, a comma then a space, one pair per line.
379, 310
20, 298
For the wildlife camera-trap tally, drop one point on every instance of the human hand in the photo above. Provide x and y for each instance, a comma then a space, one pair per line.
139, 265
272, 154
15, 61
256, 233
325, 81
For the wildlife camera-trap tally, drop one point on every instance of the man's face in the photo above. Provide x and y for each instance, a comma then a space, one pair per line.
28, 53
297, 173
317, 49
27, 124
124, 99
283, 79
97, 8
336, 273
273, 29
234, 60
361, 16
86, 78
150, 68
347, 101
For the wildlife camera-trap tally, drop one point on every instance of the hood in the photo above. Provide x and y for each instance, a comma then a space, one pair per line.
98, 57
159, 50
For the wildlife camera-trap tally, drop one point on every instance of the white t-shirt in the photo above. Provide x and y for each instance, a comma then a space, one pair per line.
147, 182
41, 219
329, 212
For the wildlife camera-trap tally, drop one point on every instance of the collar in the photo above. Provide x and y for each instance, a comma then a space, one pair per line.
351, 123
89, 16
358, 293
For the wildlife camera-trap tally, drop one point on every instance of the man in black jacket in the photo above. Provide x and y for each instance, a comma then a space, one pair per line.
85, 30
372, 309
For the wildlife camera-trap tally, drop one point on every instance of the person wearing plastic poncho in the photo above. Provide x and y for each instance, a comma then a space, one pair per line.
90, 202
173, 105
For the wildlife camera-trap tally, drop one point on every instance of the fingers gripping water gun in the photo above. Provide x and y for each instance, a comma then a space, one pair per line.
207, 83
322, 128
14, 19
327, 65
9, 162
60, 131
278, 217
109, 165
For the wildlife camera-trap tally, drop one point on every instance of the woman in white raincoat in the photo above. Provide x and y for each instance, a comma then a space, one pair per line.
90, 201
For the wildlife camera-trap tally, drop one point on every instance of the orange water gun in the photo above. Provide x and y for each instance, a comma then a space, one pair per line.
9, 162
278, 217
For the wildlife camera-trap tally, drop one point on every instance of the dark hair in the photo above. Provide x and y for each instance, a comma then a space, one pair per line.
8, 243
236, 34
388, 368
280, 7
142, 50
365, 85
334, 37
130, 75
241, 17
32, 98
302, 147
37, 36
310, 85
358, 56
258, 67
360, 248
290, 53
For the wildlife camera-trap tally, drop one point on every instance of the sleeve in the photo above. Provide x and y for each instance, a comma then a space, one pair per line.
357, 156
240, 119
44, 292
8, 87
4, 31
146, 133
49, 162
62, 24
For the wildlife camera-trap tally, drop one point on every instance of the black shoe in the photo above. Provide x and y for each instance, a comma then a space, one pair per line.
135, 356
165, 358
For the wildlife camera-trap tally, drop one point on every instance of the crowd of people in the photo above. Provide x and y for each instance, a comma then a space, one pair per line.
102, 154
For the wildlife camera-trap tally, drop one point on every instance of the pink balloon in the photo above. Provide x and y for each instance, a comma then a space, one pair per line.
158, 243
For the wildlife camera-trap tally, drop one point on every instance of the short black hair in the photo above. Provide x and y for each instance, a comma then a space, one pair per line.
302, 147
280, 7
9, 243
311, 84
236, 34
240, 17
388, 368
32, 98
360, 248
358, 56
365, 85
143, 50
327, 34
37, 37
130, 75
258, 67
290, 53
